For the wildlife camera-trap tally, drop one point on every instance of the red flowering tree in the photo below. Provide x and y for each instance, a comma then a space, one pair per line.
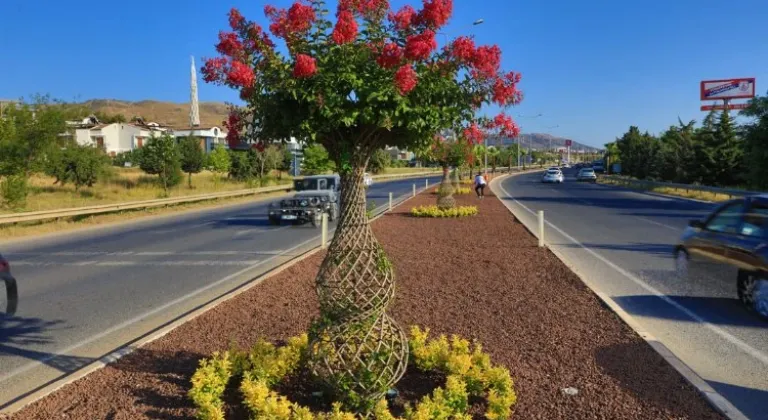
373, 78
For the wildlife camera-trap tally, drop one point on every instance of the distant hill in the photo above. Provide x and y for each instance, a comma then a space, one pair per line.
169, 113
213, 113
540, 141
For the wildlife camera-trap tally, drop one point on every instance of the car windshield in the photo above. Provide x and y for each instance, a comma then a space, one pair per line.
313, 184
586, 171
552, 172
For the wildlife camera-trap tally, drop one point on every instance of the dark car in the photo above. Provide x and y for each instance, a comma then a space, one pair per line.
731, 245
10, 294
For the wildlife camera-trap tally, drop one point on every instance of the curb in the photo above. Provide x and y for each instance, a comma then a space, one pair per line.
714, 398
157, 333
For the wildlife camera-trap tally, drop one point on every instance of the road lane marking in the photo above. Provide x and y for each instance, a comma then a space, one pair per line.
762, 357
140, 254
145, 315
211, 263
653, 222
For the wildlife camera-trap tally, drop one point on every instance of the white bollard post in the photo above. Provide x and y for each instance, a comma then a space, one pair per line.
324, 231
541, 228
390, 201
426, 183
414, 191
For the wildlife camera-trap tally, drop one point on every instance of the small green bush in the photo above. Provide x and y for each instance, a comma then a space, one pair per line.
434, 211
13, 191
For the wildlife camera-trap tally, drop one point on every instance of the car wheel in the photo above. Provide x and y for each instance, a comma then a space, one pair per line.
682, 263
753, 292
12, 295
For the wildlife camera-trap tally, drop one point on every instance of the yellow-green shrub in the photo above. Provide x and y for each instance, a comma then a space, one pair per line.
462, 190
434, 211
469, 373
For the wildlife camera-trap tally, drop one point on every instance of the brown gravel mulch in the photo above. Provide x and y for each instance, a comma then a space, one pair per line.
481, 277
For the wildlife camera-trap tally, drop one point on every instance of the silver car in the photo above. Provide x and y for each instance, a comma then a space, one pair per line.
586, 174
553, 176
9, 299
730, 245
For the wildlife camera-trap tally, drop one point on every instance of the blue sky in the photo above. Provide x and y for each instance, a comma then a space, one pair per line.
591, 67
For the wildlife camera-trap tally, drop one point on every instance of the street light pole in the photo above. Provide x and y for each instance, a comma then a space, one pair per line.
519, 146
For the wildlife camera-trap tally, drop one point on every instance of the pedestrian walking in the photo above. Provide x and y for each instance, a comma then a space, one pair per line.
480, 185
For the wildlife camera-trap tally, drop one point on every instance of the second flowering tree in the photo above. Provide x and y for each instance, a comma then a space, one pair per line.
369, 78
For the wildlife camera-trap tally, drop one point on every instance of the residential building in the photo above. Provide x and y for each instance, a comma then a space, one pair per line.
209, 136
117, 137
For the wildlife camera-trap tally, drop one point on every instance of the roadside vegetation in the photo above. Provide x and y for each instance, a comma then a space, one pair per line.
720, 152
43, 168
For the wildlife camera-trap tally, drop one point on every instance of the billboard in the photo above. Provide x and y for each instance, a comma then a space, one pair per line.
722, 107
742, 88
568, 143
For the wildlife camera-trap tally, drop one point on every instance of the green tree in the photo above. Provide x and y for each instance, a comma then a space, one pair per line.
219, 162
493, 156
161, 157
380, 161
192, 157
755, 134
241, 165
81, 165
286, 163
264, 159
638, 153
316, 160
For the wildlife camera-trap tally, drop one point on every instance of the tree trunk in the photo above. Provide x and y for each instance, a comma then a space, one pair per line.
445, 198
355, 345
189, 179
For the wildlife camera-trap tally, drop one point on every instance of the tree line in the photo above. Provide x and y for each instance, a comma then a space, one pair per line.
35, 139
720, 152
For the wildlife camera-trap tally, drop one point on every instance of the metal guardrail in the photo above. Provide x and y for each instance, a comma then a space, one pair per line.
133, 205
730, 192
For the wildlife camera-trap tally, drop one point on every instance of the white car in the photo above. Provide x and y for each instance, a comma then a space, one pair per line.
553, 176
367, 179
586, 174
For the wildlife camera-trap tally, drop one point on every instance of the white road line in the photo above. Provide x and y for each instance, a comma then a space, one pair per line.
653, 222
760, 356
138, 254
145, 315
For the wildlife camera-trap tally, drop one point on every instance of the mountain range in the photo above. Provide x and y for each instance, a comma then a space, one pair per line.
214, 113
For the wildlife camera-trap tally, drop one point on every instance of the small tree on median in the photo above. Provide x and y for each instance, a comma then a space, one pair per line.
192, 157
219, 162
161, 157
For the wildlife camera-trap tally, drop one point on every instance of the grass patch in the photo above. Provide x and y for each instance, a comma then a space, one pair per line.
675, 192
123, 185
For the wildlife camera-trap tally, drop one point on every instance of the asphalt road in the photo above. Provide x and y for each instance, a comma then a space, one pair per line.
84, 294
622, 241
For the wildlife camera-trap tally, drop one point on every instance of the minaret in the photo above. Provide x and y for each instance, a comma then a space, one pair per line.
194, 108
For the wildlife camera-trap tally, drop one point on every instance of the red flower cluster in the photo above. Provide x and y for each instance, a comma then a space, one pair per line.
391, 56
240, 74
474, 134
306, 66
236, 20
346, 28
234, 124
285, 23
258, 40
505, 89
435, 13
403, 18
463, 49
419, 47
405, 79
486, 61
505, 125
229, 44
213, 69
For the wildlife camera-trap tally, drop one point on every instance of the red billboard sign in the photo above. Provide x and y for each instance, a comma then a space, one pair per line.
722, 107
568, 143
740, 88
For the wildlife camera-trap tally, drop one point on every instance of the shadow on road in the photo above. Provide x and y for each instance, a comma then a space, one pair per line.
714, 310
663, 250
18, 337
750, 401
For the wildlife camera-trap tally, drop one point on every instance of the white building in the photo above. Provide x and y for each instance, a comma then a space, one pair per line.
209, 136
117, 137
